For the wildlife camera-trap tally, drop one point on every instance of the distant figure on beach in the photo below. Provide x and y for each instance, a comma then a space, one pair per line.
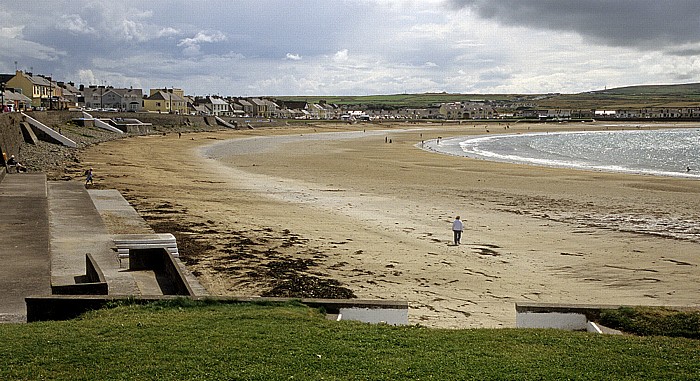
457, 228
88, 177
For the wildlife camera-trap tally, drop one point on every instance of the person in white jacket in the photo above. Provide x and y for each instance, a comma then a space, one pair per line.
457, 228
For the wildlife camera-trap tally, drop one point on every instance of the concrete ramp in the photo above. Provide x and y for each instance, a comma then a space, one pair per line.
101, 124
28, 134
106, 126
49, 132
117, 214
224, 123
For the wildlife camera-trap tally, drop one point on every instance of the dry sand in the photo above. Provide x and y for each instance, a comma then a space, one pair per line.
376, 217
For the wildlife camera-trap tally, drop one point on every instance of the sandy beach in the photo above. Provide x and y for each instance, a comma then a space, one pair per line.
339, 203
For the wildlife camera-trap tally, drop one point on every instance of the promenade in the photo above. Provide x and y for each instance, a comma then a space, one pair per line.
49, 227
24, 243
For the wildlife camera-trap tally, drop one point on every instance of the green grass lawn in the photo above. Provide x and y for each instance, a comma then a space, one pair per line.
283, 342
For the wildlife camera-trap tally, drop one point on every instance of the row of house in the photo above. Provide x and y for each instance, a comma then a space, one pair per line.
36, 90
24, 90
651, 113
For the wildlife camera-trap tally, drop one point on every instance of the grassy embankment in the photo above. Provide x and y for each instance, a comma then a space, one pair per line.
274, 342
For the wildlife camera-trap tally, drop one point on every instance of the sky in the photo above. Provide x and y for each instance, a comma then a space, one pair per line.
354, 47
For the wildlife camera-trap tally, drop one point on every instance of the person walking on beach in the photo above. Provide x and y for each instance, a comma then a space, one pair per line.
457, 227
88, 177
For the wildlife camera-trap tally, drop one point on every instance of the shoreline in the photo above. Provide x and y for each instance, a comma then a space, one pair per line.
375, 217
433, 146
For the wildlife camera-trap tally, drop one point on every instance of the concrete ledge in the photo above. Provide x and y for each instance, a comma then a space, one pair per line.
92, 283
586, 311
64, 307
127, 242
566, 316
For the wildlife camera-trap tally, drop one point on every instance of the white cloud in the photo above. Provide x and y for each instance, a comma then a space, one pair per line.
293, 57
11, 32
167, 32
341, 56
191, 46
86, 76
204, 36
132, 30
74, 23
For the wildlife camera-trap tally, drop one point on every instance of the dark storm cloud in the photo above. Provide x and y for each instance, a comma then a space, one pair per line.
642, 24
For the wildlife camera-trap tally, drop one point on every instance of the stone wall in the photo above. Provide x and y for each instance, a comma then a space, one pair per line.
54, 119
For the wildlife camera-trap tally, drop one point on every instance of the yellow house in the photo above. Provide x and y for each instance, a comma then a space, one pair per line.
35, 87
166, 101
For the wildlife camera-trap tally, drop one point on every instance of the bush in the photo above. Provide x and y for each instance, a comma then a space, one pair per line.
653, 321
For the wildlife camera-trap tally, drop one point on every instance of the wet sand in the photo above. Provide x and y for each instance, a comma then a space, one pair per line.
376, 217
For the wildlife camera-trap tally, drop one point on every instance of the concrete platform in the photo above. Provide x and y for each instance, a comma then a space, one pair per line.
77, 229
24, 243
117, 214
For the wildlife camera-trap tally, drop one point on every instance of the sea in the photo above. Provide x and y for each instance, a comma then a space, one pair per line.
638, 150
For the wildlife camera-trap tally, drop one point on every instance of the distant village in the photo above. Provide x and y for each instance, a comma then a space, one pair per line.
25, 91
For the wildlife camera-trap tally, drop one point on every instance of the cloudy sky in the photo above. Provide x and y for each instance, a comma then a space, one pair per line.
355, 47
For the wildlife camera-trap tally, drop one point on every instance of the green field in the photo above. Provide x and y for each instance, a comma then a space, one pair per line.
283, 342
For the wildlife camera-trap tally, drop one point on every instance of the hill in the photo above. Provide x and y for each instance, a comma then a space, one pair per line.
683, 95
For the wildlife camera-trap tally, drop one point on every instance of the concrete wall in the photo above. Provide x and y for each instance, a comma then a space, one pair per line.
161, 262
390, 316
54, 119
11, 136
92, 283
93, 273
